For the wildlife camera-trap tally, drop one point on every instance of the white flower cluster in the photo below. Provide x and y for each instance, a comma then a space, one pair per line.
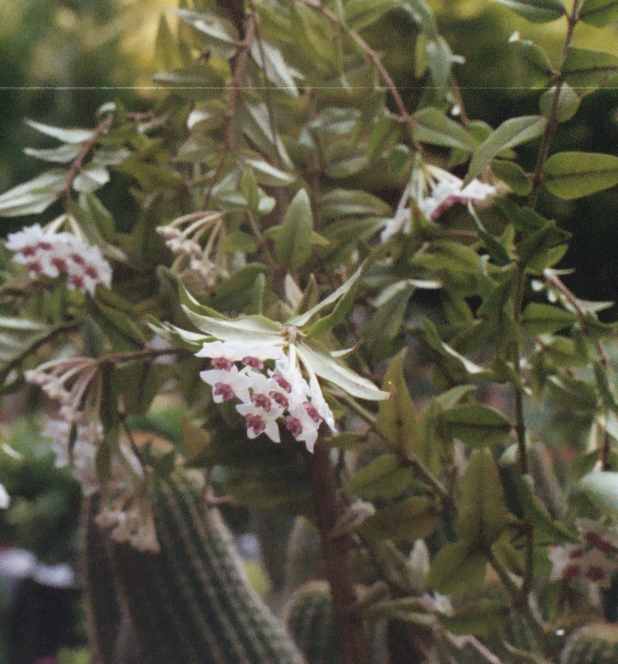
67, 381
595, 559
268, 397
124, 507
53, 254
434, 191
446, 191
183, 238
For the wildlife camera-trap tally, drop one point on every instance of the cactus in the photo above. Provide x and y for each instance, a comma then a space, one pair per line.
592, 644
310, 620
191, 602
104, 614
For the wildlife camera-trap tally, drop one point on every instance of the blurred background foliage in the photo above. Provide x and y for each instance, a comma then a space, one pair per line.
62, 60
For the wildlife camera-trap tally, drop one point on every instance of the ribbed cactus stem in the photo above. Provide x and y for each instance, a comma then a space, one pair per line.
103, 609
309, 618
592, 644
191, 602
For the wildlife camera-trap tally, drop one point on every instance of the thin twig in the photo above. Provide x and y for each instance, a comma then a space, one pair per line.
76, 166
552, 121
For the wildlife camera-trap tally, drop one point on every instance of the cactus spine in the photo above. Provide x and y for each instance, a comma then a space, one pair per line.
192, 602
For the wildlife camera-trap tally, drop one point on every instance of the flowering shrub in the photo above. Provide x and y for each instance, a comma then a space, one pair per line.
292, 204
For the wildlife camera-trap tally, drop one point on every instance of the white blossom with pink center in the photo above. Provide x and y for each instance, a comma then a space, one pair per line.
595, 559
46, 252
270, 387
434, 191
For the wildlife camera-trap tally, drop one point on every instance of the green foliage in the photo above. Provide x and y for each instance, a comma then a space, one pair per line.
292, 202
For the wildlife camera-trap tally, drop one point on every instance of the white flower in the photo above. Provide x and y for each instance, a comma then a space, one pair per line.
48, 253
595, 560
260, 421
446, 191
227, 384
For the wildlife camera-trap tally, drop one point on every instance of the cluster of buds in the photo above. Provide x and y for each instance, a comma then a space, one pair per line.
124, 510
183, 237
434, 191
595, 559
80, 456
48, 253
270, 389
68, 381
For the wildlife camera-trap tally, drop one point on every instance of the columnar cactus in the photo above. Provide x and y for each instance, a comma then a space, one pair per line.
189, 601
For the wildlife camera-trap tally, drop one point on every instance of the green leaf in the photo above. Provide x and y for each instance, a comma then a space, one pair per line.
256, 329
349, 381
513, 175
599, 12
274, 66
269, 175
397, 417
387, 321
64, 135
423, 15
61, 155
587, 70
167, 55
571, 175
448, 256
409, 519
537, 11
382, 477
568, 102
481, 617
477, 425
535, 56
601, 487
360, 14
302, 319
482, 512
91, 178
435, 128
235, 293
546, 319
509, 134
440, 61
220, 32
340, 203
34, 196
293, 244
457, 567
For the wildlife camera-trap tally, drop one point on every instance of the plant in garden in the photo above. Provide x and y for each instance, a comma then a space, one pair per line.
291, 205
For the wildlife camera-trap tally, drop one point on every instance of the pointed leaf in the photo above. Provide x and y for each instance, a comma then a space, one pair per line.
541, 318
293, 243
349, 381
537, 11
482, 511
434, 127
457, 567
509, 134
397, 418
587, 69
599, 12
64, 135
476, 425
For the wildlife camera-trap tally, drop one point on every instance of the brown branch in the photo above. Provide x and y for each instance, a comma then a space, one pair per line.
236, 84
334, 550
552, 122
77, 164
